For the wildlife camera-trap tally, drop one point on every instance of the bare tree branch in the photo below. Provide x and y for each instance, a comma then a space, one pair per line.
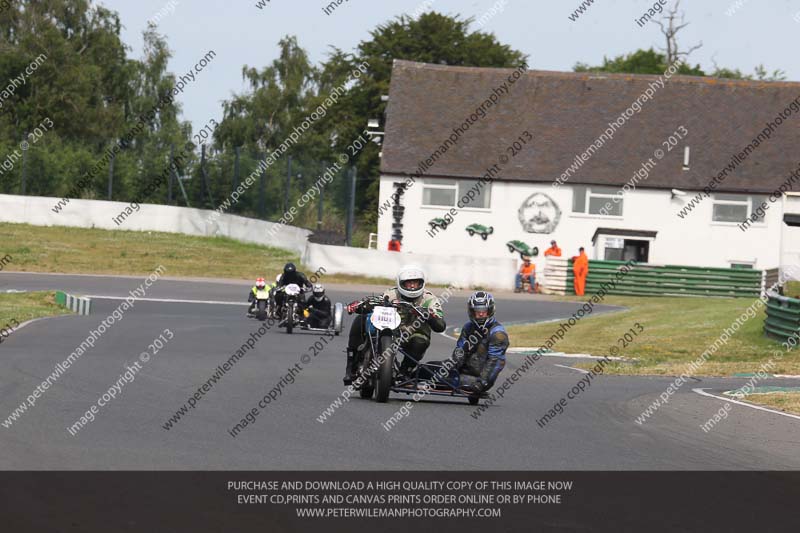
670, 27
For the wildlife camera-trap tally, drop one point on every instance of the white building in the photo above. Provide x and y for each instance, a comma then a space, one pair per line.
452, 129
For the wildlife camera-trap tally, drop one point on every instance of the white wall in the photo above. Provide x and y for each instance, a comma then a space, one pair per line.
791, 237
461, 271
694, 241
38, 211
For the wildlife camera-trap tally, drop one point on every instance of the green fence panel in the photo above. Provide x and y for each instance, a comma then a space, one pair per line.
670, 280
783, 317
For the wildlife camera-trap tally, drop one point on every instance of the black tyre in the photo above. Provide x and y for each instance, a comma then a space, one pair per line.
368, 388
473, 400
471, 232
261, 312
385, 370
290, 314
511, 249
484, 236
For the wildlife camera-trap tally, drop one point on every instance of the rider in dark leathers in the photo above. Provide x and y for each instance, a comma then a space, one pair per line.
480, 352
320, 308
290, 275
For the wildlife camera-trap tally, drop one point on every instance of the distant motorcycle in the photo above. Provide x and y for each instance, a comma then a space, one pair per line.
293, 315
262, 309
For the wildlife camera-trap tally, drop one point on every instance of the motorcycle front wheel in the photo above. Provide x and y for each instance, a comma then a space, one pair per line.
385, 370
367, 388
290, 314
261, 314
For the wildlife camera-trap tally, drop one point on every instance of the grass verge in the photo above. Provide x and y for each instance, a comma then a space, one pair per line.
16, 308
788, 402
793, 289
97, 251
674, 332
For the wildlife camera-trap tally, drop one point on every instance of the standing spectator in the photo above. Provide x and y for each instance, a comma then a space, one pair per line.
554, 250
526, 272
580, 268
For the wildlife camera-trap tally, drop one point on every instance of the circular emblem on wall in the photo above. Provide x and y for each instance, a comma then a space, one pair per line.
539, 214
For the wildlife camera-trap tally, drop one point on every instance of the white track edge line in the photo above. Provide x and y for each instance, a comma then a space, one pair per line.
745, 404
166, 300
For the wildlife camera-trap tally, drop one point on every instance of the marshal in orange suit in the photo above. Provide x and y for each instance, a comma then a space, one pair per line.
580, 267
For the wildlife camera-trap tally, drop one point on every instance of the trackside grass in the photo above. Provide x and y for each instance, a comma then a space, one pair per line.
788, 402
675, 332
16, 308
96, 251
793, 289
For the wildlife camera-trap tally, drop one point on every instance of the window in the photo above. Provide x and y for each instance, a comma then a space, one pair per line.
447, 193
484, 194
737, 208
757, 211
603, 201
440, 193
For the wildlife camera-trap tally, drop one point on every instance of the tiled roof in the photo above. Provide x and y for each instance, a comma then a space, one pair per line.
567, 112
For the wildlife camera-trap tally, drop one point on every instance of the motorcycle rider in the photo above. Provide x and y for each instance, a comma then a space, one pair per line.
261, 284
417, 324
319, 308
480, 353
290, 275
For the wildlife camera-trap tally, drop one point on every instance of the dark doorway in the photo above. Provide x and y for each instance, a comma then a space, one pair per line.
638, 251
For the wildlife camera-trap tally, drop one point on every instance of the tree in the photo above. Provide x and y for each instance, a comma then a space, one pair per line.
432, 38
651, 62
263, 117
284, 93
669, 28
639, 62
91, 91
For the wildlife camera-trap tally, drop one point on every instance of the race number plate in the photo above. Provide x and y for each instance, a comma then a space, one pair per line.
292, 289
262, 294
385, 318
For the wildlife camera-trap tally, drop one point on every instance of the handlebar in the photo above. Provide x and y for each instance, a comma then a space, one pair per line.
374, 301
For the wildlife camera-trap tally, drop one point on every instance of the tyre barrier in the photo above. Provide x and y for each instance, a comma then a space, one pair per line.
783, 317
76, 304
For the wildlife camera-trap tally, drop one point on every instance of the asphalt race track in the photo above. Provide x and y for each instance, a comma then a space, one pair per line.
597, 430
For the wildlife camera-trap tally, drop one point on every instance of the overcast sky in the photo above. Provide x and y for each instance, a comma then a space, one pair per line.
760, 31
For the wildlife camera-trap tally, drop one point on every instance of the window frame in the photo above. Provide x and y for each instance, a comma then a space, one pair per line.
589, 195
454, 185
742, 200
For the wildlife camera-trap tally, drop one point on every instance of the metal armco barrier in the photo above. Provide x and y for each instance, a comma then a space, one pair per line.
657, 280
783, 317
76, 304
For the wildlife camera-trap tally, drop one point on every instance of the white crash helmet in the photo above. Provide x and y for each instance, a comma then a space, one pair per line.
408, 273
318, 292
